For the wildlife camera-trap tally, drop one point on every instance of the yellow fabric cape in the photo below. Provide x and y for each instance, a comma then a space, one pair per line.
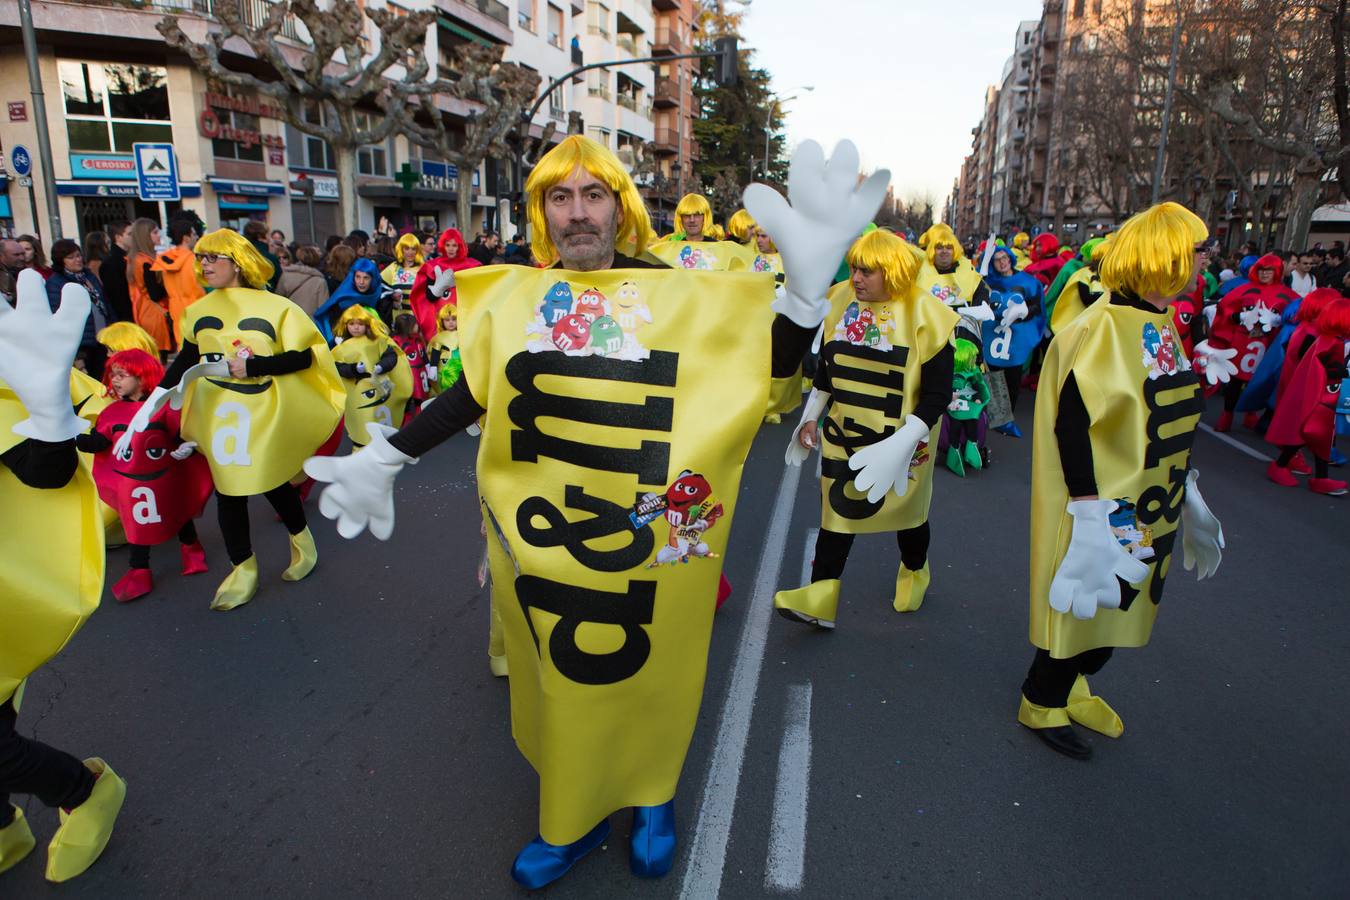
1069, 305
51, 560
711, 256
603, 541
875, 374
1143, 407
955, 288
256, 433
381, 399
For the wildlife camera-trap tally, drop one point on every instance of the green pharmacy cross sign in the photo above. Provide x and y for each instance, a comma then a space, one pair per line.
407, 178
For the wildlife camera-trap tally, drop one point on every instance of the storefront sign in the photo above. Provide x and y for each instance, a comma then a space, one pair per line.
276, 157
325, 187
247, 105
104, 167
113, 189
18, 111
249, 188
210, 126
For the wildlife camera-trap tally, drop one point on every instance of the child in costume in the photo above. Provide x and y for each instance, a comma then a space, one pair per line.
607, 726
1116, 413
400, 274
259, 394
374, 372
1309, 389
361, 287
884, 393
51, 572
408, 337
443, 363
1247, 320
960, 442
159, 485
127, 336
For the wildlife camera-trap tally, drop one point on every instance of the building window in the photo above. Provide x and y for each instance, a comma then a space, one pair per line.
526, 14
372, 159
556, 109
597, 84
555, 26
601, 135
307, 151
110, 106
597, 19
1078, 6
222, 149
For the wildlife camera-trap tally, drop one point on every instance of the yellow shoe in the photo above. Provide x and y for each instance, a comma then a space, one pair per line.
816, 604
1038, 717
1093, 712
16, 840
773, 419
239, 586
910, 587
85, 830
304, 556
498, 665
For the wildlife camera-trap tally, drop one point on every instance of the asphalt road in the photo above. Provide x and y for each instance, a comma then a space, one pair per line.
342, 737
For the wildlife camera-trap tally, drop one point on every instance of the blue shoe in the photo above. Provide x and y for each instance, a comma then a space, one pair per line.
1010, 429
652, 846
1337, 457
542, 863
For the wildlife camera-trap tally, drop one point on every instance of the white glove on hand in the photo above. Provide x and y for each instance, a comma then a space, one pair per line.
1014, 311
825, 212
37, 349
361, 489
1201, 533
1269, 318
173, 396
815, 404
1218, 364
1249, 317
1086, 577
445, 280
885, 465
184, 450
361, 367
979, 312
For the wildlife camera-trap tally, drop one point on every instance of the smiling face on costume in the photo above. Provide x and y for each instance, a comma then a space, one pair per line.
1001, 264
869, 285
147, 459
361, 281
124, 384
250, 336
693, 226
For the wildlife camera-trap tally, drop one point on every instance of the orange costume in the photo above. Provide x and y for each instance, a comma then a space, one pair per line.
177, 266
150, 315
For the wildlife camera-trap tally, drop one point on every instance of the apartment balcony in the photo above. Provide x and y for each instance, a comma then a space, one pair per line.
666, 94
666, 5
666, 141
490, 18
629, 43
668, 43
600, 92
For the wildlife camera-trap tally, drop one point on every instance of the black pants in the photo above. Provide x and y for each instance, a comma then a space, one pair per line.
832, 551
1014, 378
1320, 465
29, 767
140, 553
961, 431
1049, 680
1231, 392
233, 513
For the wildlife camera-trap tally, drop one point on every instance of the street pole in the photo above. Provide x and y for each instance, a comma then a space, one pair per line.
40, 121
1167, 105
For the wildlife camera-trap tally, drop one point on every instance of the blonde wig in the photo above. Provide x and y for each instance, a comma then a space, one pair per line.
741, 226
121, 336
940, 234
898, 261
1154, 252
255, 270
408, 240
375, 328
579, 152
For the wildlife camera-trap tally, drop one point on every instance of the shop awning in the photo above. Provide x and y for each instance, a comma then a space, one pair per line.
87, 188
252, 188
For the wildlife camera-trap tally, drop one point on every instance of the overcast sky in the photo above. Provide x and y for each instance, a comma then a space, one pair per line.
903, 79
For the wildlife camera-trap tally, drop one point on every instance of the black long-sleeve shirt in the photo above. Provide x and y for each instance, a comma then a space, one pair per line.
388, 359
281, 364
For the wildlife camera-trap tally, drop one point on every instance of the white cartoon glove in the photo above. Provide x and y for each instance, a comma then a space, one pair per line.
445, 280
1086, 577
172, 397
361, 490
1201, 534
1218, 364
1248, 318
37, 348
184, 450
825, 212
815, 405
979, 312
1269, 318
1014, 311
884, 466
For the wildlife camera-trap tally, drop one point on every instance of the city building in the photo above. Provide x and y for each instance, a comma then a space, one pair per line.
675, 108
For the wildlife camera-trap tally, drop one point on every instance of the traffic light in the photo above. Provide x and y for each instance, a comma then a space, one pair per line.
727, 59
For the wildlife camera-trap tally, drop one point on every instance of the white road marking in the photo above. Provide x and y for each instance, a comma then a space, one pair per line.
785, 867
708, 852
1235, 443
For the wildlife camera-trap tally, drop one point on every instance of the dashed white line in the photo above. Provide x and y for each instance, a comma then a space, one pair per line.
708, 850
1234, 442
785, 867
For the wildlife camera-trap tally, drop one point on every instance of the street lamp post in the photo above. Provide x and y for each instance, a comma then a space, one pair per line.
768, 122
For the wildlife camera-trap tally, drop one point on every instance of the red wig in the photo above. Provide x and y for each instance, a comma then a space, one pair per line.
1334, 320
1044, 246
1314, 303
136, 363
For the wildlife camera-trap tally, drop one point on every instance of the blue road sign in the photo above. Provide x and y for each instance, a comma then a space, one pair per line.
156, 172
22, 160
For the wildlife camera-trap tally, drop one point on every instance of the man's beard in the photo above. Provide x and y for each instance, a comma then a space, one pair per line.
592, 255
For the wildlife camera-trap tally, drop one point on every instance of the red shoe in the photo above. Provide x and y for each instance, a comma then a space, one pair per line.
1250, 420
1329, 486
1299, 466
194, 558
1282, 476
723, 591
1225, 423
136, 583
